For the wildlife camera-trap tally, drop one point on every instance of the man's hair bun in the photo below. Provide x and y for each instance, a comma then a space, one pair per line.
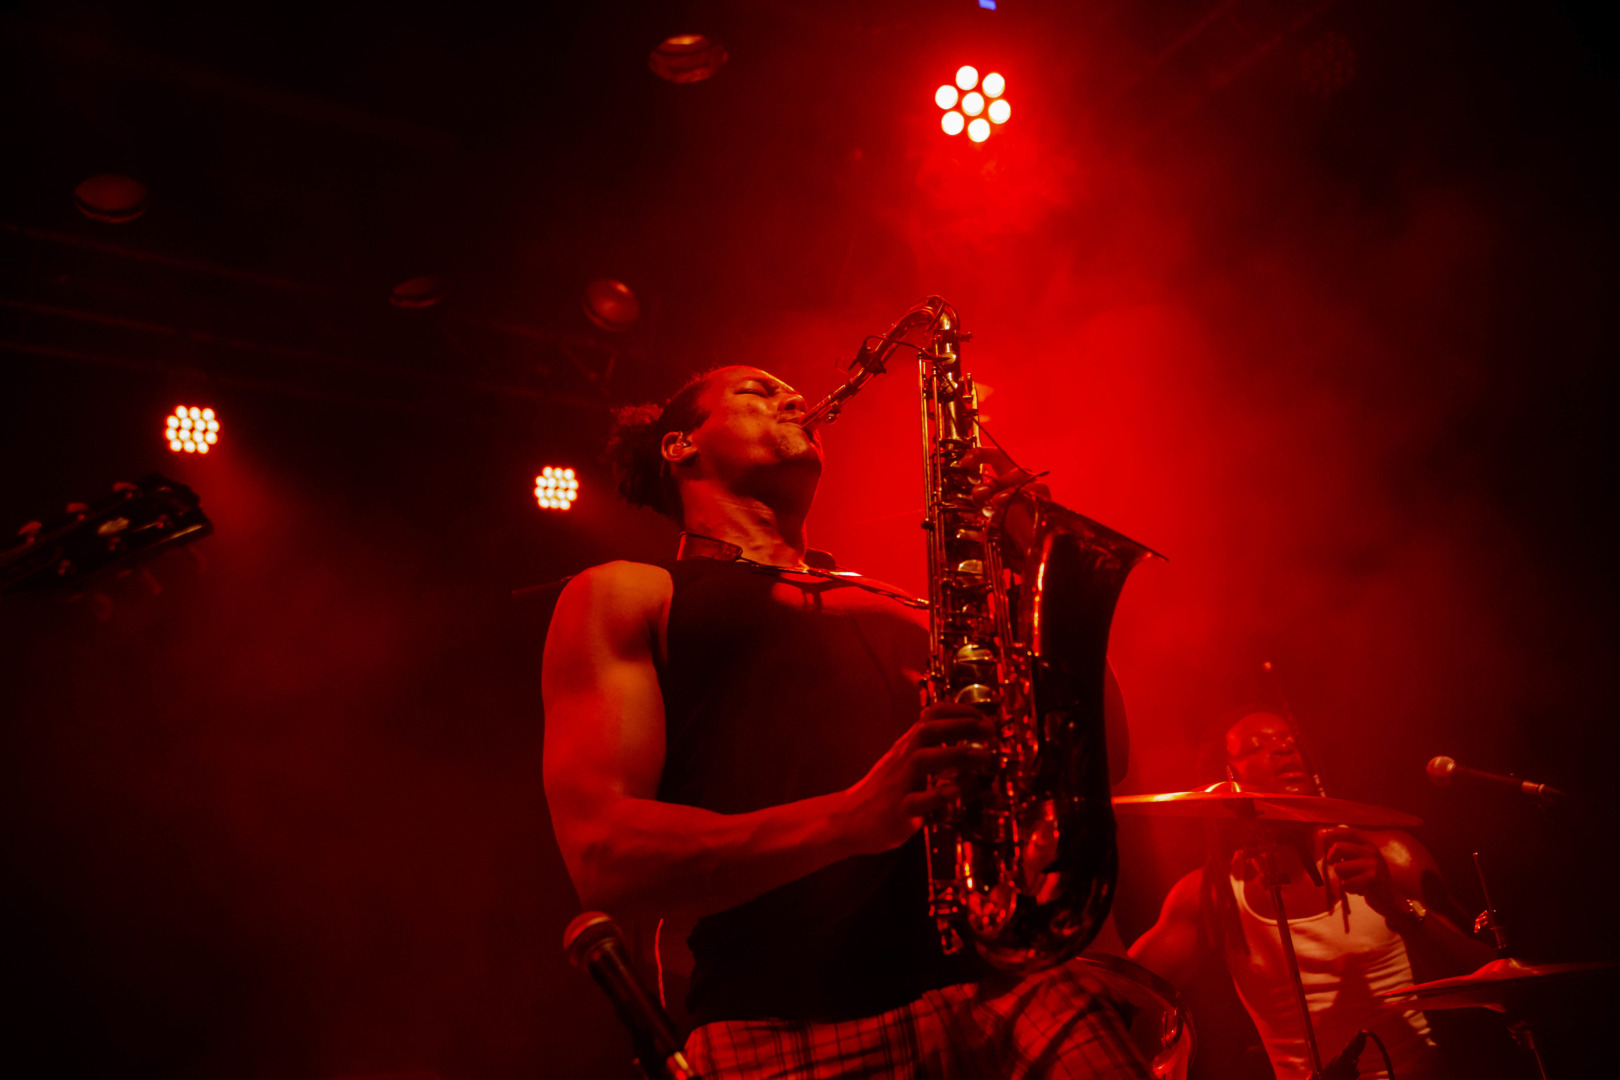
634, 446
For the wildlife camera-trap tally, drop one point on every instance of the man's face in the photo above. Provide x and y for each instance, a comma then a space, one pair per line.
1261, 750
755, 419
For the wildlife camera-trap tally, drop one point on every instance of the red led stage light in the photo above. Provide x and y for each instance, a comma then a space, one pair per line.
191, 430
972, 104
556, 488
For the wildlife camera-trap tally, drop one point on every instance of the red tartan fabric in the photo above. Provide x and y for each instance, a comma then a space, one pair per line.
1055, 1025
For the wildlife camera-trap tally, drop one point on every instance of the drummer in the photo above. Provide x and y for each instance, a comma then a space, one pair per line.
1375, 923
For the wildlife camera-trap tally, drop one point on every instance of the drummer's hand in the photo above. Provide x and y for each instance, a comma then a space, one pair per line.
1355, 862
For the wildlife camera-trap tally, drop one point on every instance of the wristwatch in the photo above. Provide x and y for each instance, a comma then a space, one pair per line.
1408, 918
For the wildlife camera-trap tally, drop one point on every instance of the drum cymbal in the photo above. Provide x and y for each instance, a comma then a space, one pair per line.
1222, 801
1494, 986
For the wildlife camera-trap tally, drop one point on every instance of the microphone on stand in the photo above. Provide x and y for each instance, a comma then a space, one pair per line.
595, 944
1444, 771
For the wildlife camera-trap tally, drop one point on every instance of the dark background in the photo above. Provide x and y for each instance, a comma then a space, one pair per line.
1314, 298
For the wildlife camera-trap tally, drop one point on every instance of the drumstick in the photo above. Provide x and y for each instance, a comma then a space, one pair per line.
1328, 876
1346, 894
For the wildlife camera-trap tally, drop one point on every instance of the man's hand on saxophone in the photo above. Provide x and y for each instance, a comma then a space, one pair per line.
1006, 489
887, 805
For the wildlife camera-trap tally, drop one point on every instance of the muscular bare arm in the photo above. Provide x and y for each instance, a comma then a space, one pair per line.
1170, 946
637, 857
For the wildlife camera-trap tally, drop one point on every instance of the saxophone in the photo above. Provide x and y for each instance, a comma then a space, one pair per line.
1023, 862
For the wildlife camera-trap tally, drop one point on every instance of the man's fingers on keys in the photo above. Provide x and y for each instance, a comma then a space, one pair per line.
949, 710
981, 455
940, 758
965, 722
922, 803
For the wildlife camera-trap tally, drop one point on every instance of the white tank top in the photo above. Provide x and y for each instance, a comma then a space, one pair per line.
1341, 971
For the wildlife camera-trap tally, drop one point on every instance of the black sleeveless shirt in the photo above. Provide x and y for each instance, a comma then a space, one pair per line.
781, 686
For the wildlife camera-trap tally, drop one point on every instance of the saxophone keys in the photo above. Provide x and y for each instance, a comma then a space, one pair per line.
975, 663
977, 694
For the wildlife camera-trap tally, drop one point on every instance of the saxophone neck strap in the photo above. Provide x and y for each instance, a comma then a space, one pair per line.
818, 564
697, 546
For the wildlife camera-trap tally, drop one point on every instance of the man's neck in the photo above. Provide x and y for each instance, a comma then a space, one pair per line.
765, 533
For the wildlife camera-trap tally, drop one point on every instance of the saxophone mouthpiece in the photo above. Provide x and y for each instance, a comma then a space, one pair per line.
871, 360
866, 364
822, 412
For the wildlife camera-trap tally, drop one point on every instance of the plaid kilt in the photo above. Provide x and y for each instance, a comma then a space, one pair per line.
1056, 1024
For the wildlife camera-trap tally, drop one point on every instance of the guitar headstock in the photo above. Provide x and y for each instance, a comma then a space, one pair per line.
133, 523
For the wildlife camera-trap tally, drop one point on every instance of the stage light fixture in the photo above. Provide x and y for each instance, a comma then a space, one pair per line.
414, 294
969, 97
611, 305
556, 488
191, 430
111, 198
687, 58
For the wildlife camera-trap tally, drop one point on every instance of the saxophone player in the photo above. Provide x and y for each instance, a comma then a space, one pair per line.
737, 738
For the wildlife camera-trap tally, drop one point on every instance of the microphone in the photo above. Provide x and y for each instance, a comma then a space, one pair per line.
1443, 770
595, 944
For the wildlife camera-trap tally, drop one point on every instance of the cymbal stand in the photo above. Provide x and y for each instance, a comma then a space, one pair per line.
1517, 1026
1489, 919
1273, 877
1525, 1036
